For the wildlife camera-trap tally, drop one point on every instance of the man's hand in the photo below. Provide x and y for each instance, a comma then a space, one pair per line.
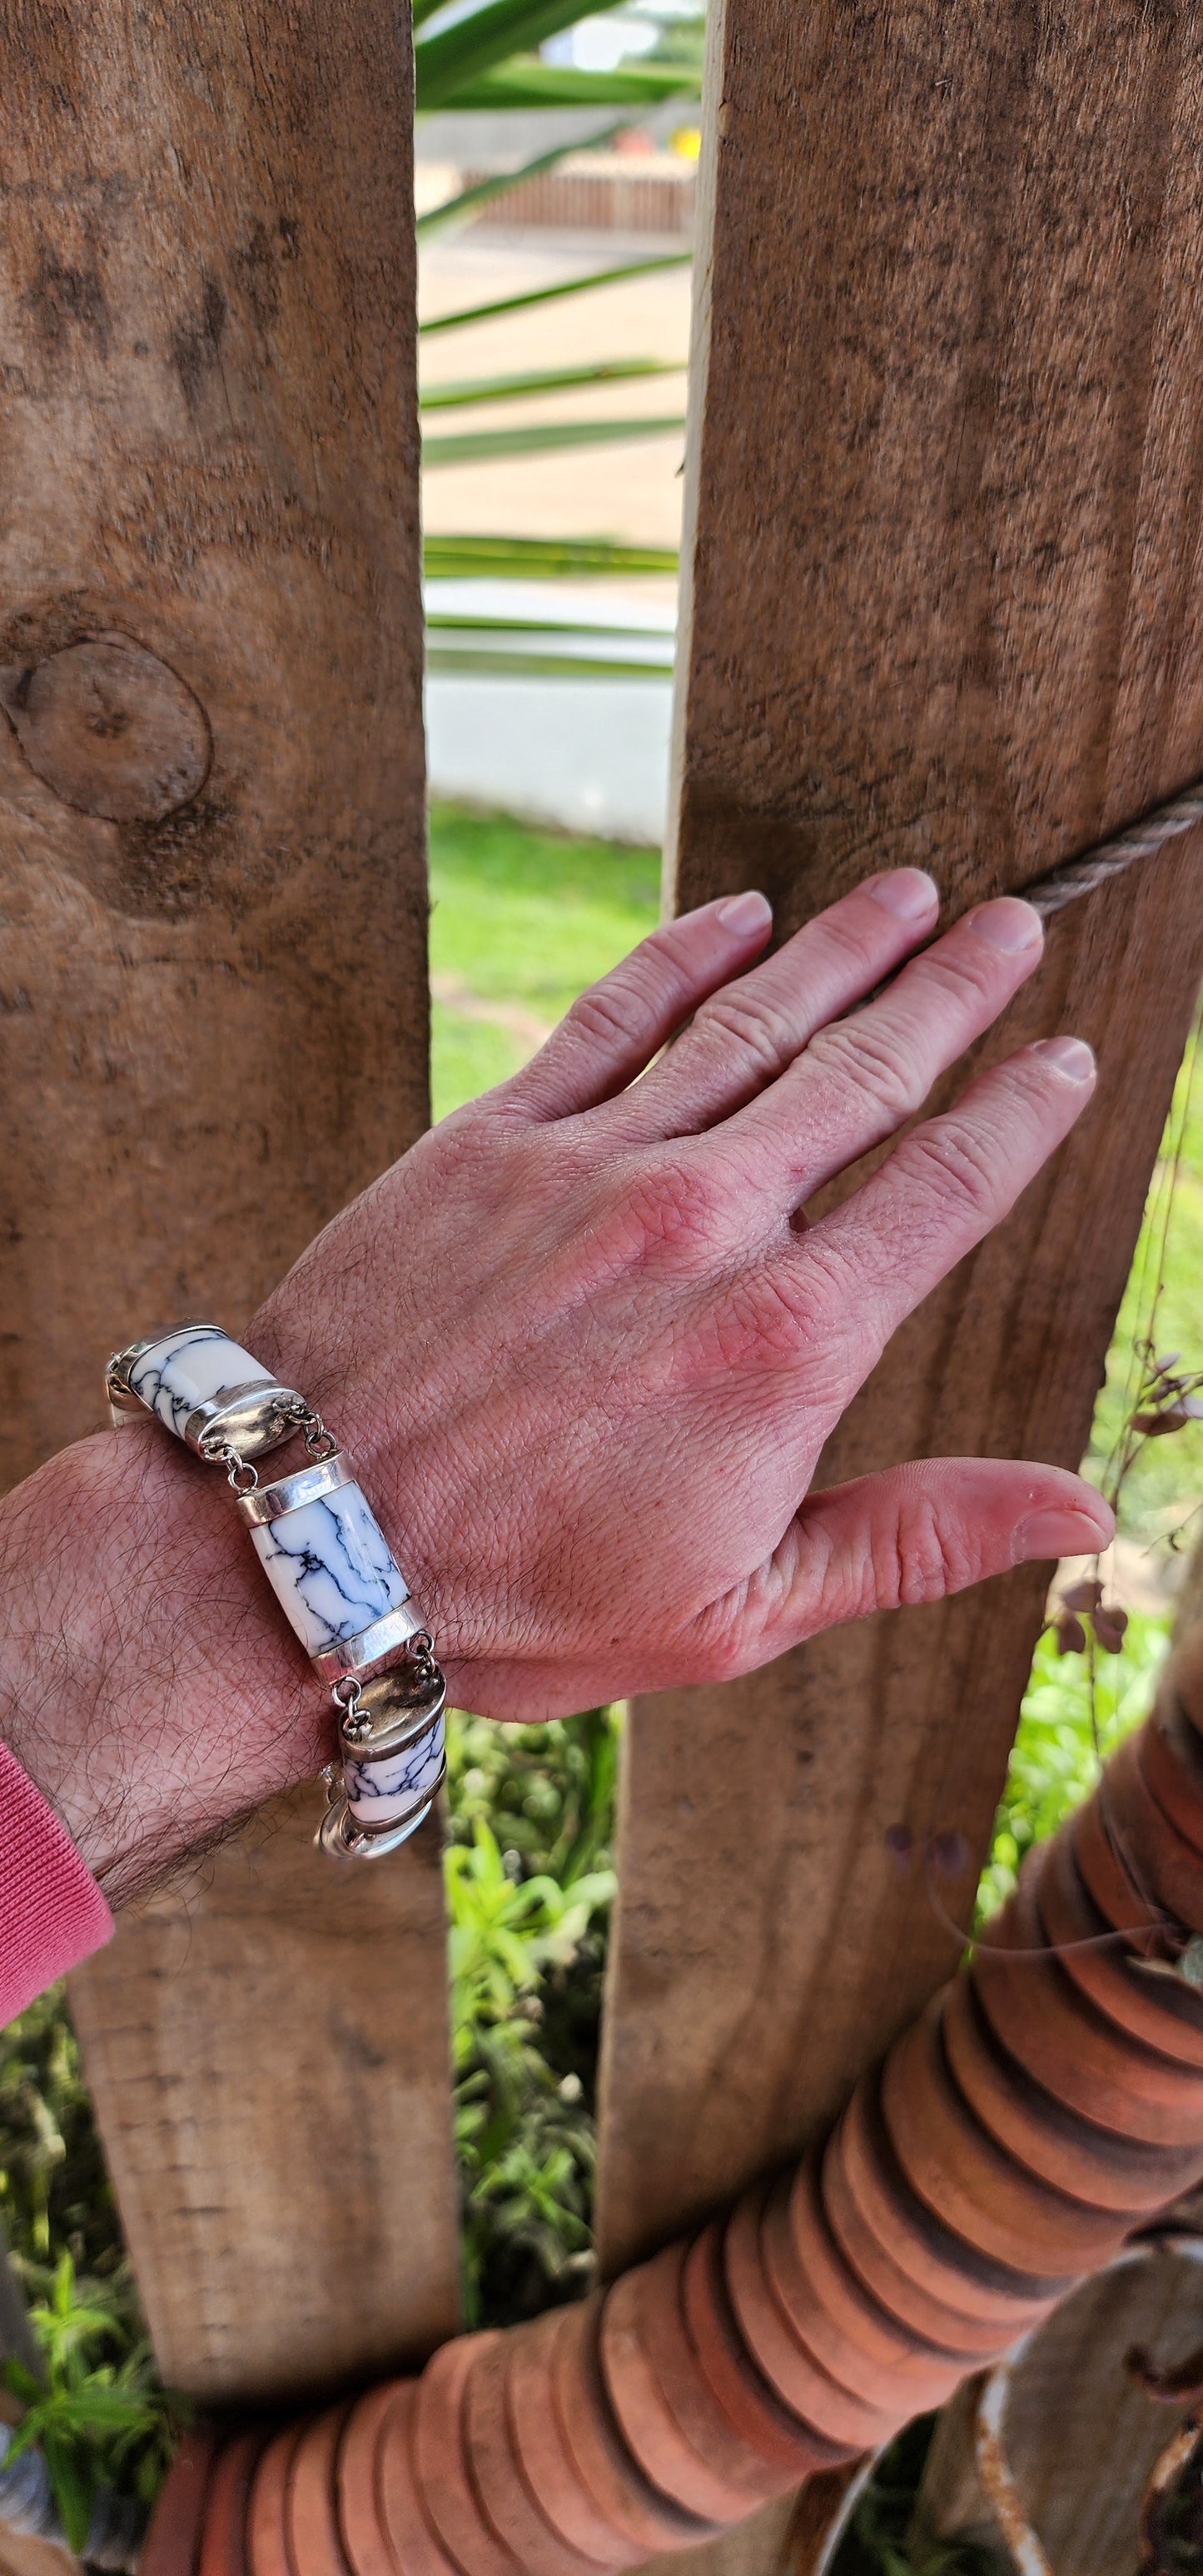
589, 1351
585, 1350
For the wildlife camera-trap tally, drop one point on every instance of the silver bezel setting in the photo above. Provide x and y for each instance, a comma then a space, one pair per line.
349, 1655
252, 1418
291, 1493
257, 1415
398, 1708
342, 1839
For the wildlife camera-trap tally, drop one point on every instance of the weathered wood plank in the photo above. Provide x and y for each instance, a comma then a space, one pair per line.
1081, 2436
212, 993
262, 2144
944, 608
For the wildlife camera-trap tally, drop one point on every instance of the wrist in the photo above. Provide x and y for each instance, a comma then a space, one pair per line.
146, 1685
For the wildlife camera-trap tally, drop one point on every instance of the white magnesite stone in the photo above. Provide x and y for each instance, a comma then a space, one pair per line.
331, 1568
381, 1793
195, 1365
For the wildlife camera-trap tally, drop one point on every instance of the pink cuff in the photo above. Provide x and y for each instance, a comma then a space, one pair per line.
51, 1910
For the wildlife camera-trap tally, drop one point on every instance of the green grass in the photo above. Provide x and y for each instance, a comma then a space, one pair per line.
466, 1057
527, 918
1076, 1710
1162, 1301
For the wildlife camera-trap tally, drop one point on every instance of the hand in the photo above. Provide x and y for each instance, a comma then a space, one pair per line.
589, 1352
585, 1352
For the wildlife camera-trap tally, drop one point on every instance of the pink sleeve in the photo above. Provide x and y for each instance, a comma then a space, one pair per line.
51, 1910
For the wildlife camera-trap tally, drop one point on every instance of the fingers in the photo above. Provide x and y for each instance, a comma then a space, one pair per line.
914, 1534
750, 1031
861, 1269
616, 1028
860, 1078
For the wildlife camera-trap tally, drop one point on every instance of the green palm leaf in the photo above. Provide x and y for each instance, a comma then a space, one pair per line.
527, 82
550, 380
474, 446
443, 63
438, 218
547, 294
540, 558
448, 622
541, 666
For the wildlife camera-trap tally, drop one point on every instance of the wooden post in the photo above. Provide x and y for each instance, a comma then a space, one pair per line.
944, 512
212, 1000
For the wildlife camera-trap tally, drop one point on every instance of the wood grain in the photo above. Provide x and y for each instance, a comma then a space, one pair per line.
1081, 2437
213, 1024
945, 490
213, 1005
270, 2052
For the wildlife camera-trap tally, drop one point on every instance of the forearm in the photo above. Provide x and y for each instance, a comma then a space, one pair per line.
147, 1686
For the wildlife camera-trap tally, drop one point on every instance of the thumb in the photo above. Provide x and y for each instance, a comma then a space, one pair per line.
918, 1532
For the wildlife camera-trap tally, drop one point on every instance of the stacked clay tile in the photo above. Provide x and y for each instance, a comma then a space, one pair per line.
1048, 2101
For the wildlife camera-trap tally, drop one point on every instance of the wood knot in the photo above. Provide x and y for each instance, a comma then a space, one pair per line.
110, 728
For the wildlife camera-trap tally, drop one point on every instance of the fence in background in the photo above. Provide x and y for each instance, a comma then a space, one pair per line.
942, 606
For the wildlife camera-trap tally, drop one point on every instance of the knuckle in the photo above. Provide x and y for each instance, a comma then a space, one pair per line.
629, 1004
620, 1007
920, 1557
786, 1312
761, 1320
842, 936
873, 1059
677, 1205
952, 1160
746, 1019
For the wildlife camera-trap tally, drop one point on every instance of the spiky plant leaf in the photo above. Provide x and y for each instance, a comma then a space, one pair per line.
461, 53
548, 380
474, 446
547, 294
439, 219
541, 558
528, 82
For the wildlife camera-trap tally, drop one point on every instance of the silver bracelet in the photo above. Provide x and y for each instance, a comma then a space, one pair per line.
328, 1563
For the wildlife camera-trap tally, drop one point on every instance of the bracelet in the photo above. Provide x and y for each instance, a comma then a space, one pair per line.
328, 1563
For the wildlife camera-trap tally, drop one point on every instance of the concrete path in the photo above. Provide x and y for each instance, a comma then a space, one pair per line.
587, 754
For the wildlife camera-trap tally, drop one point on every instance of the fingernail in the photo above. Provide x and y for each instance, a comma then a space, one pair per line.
744, 913
908, 893
1071, 1056
1010, 924
1057, 1533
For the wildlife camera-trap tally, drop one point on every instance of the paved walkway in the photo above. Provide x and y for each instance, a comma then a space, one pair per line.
592, 756
632, 492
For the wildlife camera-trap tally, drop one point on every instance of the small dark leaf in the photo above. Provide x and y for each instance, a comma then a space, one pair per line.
1070, 1635
1085, 1595
1109, 1626
1173, 1418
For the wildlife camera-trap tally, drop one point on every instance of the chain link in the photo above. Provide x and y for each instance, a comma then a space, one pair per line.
236, 1469
319, 1442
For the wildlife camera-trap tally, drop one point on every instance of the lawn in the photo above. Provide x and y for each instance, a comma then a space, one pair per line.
521, 921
